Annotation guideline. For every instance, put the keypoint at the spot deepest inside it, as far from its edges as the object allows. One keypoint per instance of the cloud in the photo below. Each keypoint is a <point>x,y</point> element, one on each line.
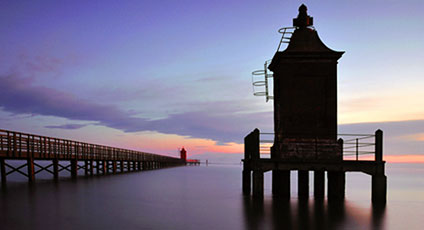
<point>398,136</point>
<point>66,126</point>
<point>223,121</point>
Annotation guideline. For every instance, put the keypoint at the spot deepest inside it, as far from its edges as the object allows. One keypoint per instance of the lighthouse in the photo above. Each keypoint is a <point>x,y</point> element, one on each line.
<point>305,123</point>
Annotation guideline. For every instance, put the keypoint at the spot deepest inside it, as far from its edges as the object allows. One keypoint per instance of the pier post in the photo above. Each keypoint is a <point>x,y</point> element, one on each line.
<point>281,183</point>
<point>319,184</point>
<point>114,167</point>
<point>379,180</point>
<point>121,165</point>
<point>303,184</point>
<point>55,169</point>
<point>3,170</point>
<point>336,185</point>
<point>247,175</point>
<point>104,166</point>
<point>379,189</point>
<point>251,154</point>
<point>134,166</point>
<point>98,167</point>
<point>86,167</point>
<point>258,183</point>
<point>30,167</point>
<point>74,168</point>
<point>139,165</point>
<point>90,162</point>
<point>379,146</point>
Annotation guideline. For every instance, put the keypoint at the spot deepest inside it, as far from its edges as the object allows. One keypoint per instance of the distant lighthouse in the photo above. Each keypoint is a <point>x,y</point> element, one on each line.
<point>183,154</point>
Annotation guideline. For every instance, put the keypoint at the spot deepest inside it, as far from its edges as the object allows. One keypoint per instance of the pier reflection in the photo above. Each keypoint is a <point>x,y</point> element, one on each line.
<point>272,213</point>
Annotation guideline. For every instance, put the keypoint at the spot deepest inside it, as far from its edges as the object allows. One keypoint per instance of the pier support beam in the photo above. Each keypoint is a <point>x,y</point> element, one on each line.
<point>122,166</point>
<point>303,184</point>
<point>114,167</point>
<point>379,189</point>
<point>104,166</point>
<point>98,167</point>
<point>74,168</point>
<point>258,183</point>
<point>90,163</point>
<point>31,172</point>
<point>281,183</point>
<point>247,184</point>
<point>336,185</point>
<point>55,169</point>
<point>319,184</point>
<point>3,170</point>
<point>86,173</point>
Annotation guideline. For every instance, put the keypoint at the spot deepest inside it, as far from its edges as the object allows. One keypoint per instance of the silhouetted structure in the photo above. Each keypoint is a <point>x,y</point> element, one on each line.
<point>305,123</point>
<point>183,154</point>
<point>104,159</point>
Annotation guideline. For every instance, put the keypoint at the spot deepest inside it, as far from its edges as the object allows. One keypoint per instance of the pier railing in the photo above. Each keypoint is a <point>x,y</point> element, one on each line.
<point>29,149</point>
<point>17,145</point>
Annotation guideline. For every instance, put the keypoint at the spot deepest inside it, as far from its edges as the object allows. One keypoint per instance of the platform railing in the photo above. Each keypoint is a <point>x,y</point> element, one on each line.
<point>355,146</point>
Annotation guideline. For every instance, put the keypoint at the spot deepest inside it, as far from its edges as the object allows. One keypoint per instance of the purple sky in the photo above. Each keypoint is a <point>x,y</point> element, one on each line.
<point>180,70</point>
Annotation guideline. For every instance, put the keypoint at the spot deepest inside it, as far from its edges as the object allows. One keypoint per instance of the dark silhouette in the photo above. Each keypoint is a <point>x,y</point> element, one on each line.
<point>305,124</point>
<point>183,154</point>
<point>105,159</point>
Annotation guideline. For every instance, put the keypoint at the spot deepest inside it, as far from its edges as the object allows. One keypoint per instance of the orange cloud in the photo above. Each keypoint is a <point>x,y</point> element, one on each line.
<point>404,158</point>
<point>391,105</point>
<point>414,137</point>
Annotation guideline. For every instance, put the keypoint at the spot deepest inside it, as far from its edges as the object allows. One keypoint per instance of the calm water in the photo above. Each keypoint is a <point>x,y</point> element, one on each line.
<point>205,198</point>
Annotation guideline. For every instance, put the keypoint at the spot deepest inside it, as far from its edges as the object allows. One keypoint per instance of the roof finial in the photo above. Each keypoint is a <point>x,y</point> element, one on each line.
<point>303,19</point>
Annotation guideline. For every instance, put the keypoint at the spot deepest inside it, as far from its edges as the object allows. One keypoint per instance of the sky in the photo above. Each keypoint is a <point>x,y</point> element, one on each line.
<point>158,75</point>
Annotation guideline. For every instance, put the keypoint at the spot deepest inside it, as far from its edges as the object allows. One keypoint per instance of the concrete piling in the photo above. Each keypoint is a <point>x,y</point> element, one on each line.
<point>336,185</point>
<point>247,177</point>
<point>319,184</point>
<point>303,184</point>
<point>258,183</point>
<point>281,183</point>
<point>379,189</point>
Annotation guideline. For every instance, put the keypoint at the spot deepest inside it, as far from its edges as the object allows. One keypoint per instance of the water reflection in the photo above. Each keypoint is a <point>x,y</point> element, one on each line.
<point>271,213</point>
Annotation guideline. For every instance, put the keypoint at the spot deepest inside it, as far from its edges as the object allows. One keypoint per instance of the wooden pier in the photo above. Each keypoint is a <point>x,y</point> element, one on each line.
<point>71,156</point>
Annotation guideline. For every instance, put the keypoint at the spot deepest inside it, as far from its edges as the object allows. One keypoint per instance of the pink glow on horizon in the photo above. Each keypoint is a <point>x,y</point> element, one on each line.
<point>393,158</point>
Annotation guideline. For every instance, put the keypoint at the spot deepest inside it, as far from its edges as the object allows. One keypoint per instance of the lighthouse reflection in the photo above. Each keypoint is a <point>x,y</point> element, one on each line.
<point>272,213</point>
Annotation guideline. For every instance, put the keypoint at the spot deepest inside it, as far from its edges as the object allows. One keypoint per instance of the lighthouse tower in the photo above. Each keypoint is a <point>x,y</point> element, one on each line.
<point>305,95</point>
<point>305,123</point>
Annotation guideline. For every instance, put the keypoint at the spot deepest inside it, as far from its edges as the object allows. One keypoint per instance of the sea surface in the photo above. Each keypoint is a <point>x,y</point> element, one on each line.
<point>206,197</point>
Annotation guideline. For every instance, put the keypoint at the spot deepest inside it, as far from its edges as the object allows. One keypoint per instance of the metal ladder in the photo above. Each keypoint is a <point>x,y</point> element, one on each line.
<point>286,35</point>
